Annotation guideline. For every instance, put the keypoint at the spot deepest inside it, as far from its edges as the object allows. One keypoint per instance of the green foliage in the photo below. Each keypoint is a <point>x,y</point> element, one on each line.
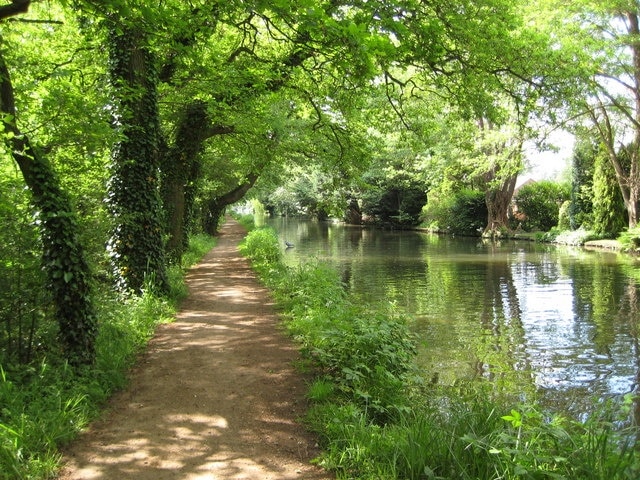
<point>363,353</point>
<point>459,432</point>
<point>564,218</point>
<point>68,274</point>
<point>583,161</point>
<point>273,84</point>
<point>247,221</point>
<point>47,405</point>
<point>136,245</point>
<point>463,213</point>
<point>199,245</point>
<point>307,191</point>
<point>540,203</point>
<point>261,246</point>
<point>63,255</point>
<point>321,390</point>
<point>609,215</point>
<point>394,200</point>
<point>24,320</point>
<point>567,237</point>
<point>630,239</point>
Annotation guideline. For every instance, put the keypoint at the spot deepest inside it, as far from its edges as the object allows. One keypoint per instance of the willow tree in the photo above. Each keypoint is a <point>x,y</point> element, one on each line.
<point>63,254</point>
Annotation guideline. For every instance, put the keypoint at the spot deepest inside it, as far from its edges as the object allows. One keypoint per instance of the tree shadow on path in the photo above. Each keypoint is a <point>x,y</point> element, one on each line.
<point>215,395</point>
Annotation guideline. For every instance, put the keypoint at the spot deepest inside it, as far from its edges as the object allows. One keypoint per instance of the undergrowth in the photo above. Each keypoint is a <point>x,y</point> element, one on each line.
<point>45,405</point>
<point>376,419</point>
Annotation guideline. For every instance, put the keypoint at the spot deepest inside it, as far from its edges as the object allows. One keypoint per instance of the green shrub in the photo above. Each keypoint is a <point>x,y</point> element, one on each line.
<point>610,216</point>
<point>463,213</point>
<point>468,213</point>
<point>630,239</point>
<point>564,219</point>
<point>395,202</point>
<point>262,247</point>
<point>247,221</point>
<point>540,203</point>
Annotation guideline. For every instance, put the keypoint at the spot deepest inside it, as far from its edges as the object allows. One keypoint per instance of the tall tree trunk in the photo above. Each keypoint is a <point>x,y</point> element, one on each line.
<point>632,204</point>
<point>216,206</point>
<point>634,174</point>
<point>500,178</point>
<point>498,201</point>
<point>353,215</point>
<point>180,171</point>
<point>136,245</point>
<point>63,256</point>
<point>628,177</point>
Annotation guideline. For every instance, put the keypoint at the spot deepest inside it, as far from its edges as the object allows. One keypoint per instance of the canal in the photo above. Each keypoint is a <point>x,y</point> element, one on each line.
<point>556,323</point>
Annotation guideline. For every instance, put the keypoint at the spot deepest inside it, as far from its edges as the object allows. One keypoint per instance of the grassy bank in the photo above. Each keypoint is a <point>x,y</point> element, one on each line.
<point>45,405</point>
<point>377,418</point>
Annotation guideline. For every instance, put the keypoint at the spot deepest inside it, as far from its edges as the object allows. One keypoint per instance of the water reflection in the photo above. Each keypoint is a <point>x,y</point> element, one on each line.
<point>561,323</point>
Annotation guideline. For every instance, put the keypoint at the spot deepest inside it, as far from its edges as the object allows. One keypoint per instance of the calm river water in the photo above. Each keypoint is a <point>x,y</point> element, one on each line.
<point>559,322</point>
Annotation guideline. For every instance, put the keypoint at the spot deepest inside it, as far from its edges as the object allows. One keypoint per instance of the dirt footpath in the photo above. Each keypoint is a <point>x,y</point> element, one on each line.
<point>215,395</point>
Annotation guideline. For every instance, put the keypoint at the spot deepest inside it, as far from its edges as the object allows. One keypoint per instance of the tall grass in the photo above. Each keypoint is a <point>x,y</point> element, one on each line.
<point>377,419</point>
<point>44,406</point>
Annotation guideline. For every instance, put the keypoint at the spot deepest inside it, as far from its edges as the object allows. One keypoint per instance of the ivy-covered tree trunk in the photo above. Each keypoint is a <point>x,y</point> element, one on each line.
<point>180,171</point>
<point>136,245</point>
<point>63,256</point>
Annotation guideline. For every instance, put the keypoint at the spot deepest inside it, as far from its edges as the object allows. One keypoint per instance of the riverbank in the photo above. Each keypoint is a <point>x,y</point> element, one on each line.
<point>603,244</point>
<point>215,395</point>
<point>377,417</point>
<point>613,245</point>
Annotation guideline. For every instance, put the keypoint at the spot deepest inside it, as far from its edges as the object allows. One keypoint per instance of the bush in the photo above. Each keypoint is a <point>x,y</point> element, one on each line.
<point>630,239</point>
<point>262,247</point>
<point>564,219</point>
<point>610,216</point>
<point>464,213</point>
<point>540,203</point>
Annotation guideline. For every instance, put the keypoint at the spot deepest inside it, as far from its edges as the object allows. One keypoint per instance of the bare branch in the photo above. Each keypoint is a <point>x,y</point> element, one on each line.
<point>33,20</point>
<point>387,77</point>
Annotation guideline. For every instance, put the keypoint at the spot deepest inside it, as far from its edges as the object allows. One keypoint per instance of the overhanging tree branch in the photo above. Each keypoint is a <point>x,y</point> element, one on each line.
<point>15,8</point>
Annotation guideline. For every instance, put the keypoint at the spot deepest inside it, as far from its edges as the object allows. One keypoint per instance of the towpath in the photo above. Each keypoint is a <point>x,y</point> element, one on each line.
<point>214,396</point>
